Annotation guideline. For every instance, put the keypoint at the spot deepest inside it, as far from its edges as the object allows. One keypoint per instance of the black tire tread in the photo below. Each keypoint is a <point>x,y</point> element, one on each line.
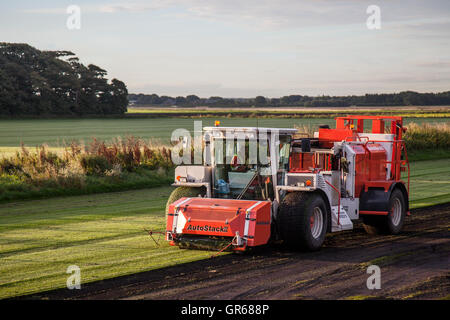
<point>376,225</point>
<point>291,220</point>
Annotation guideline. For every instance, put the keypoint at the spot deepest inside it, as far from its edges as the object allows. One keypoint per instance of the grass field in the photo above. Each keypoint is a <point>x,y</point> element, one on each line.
<point>57,131</point>
<point>430,183</point>
<point>103,234</point>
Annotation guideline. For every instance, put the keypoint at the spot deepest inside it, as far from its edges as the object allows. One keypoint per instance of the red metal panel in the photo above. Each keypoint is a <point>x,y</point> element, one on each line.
<point>370,165</point>
<point>328,136</point>
<point>377,162</point>
<point>378,126</point>
<point>300,162</point>
<point>377,213</point>
<point>340,123</point>
<point>259,225</point>
<point>335,134</point>
<point>360,125</point>
<point>224,217</point>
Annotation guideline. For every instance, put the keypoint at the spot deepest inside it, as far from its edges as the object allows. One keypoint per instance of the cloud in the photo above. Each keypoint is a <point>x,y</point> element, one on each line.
<point>204,89</point>
<point>133,7</point>
<point>272,14</point>
<point>434,64</point>
<point>108,8</point>
<point>423,30</point>
<point>307,13</point>
<point>46,11</point>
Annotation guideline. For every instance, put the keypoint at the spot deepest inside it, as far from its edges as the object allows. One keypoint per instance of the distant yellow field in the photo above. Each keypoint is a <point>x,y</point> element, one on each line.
<point>407,111</point>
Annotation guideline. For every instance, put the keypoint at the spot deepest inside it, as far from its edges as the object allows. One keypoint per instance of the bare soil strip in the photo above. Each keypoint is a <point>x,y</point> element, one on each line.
<point>414,265</point>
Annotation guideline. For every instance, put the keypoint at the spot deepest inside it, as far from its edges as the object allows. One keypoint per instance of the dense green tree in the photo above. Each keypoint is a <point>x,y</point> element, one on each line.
<point>180,100</point>
<point>391,99</point>
<point>275,101</point>
<point>34,82</point>
<point>260,101</point>
<point>192,98</point>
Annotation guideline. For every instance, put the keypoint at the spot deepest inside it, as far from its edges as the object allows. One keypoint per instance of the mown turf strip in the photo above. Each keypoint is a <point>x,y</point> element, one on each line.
<point>102,234</point>
<point>430,183</point>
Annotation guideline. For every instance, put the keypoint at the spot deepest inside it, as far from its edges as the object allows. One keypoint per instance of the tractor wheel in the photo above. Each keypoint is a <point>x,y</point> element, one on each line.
<point>180,192</point>
<point>303,220</point>
<point>393,222</point>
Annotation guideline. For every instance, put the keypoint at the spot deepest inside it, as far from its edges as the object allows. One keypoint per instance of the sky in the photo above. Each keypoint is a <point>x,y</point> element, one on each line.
<point>245,48</point>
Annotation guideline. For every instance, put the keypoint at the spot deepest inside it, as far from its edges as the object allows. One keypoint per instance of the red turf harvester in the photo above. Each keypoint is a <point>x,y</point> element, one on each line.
<point>299,189</point>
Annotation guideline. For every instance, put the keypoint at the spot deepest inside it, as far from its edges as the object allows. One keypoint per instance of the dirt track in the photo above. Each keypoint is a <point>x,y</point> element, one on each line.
<point>414,265</point>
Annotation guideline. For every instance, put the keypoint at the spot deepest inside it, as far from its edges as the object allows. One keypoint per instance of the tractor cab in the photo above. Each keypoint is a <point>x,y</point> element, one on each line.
<point>247,163</point>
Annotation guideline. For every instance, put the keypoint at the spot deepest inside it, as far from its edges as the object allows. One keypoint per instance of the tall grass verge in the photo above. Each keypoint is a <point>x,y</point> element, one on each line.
<point>427,136</point>
<point>427,141</point>
<point>129,163</point>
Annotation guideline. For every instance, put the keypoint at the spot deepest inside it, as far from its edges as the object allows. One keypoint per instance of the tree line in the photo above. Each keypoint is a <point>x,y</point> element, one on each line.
<point>405,98</point>
<point>41,83</point>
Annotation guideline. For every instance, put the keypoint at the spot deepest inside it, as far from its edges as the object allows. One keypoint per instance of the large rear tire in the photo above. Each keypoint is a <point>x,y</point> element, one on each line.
<point>393,222</point>
<point>180,192</point>
<point>302,220</point>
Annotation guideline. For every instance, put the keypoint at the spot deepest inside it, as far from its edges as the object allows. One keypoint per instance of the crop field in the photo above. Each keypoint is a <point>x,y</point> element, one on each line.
<point>281,111</point>
<point>59,131</point>
<point>104,234</point>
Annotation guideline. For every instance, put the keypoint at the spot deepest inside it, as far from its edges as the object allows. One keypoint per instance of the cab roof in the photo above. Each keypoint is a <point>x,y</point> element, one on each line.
<point>282,131</point>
